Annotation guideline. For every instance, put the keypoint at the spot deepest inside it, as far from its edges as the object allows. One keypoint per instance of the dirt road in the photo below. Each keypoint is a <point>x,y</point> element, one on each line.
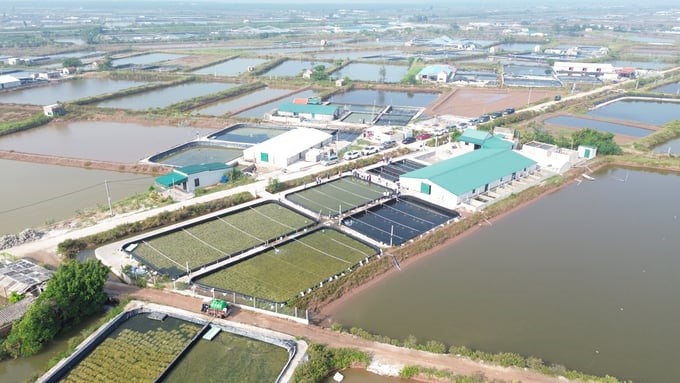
<point>383,353</point>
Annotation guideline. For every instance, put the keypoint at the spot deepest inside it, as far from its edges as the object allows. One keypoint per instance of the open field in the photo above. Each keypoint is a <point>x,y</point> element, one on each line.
<point>218,238</point>
<point>342,195</point>
<point>280,273</point>
<point>475,102</point>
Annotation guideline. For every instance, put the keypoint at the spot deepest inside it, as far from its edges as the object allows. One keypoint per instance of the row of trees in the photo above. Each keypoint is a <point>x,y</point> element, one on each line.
<point>603,141</point>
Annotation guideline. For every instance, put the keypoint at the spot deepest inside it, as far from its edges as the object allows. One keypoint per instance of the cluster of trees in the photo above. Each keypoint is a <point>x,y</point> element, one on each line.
<point>75,291</point>
<point>603,141</point>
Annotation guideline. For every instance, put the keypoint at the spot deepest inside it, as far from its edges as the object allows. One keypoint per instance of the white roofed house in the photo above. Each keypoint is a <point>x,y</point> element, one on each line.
<point>8,82</point>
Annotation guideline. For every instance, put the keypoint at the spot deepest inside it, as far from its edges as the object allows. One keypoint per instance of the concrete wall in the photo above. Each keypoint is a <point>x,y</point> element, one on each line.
<point>204,178</point>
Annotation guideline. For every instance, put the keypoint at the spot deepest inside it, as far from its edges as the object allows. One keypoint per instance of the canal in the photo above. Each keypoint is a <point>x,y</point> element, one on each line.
<point>585,277</point>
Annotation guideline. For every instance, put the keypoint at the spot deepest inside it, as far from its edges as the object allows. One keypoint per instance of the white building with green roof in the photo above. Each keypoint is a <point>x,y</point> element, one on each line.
<point>458,179</point>
<point>188,178</point>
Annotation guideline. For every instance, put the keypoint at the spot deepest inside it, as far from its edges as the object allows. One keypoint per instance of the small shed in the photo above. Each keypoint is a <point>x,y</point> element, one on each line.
<point>587,152</point>
<point>23,277</point>
<point>7,82</point>
<point>54,110</point>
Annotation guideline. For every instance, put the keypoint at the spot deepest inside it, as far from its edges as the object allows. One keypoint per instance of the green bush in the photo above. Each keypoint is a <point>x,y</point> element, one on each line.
<point>38,119</point>
<point>323,361</point>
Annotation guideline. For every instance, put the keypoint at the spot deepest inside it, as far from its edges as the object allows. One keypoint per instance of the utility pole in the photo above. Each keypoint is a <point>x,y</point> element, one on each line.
<point>108,196</point>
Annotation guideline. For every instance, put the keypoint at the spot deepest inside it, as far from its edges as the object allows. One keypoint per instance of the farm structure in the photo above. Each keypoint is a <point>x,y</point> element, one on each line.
<point>393,170</point>
<point>287,148</point>
<point>190,177</point>
<point>338,196</point>
<point>214,239</point>
<point>296,266</point>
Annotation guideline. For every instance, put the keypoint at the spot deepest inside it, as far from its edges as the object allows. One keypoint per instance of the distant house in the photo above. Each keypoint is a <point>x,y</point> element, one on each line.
<point>188,178</point>
<point>7,82</point>
<point>436,73</point>
<point>54,110</point>
<point>23,277</point>
<point>307,74</point>
<point>308,111</point>
<point>51,75</point>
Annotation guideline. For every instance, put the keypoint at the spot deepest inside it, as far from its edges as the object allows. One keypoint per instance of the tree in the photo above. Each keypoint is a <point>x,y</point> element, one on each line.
<point>319,73</point>
<point>107,63</point>
<point>382,72</point>
<point>75,291</point>
<point>71,62</point>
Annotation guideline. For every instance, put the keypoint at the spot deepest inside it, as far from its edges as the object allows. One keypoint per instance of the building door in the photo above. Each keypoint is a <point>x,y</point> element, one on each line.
<point>586,153</point>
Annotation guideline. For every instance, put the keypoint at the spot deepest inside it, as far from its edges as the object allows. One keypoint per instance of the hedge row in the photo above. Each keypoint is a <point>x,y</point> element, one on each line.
<point>10,127</point>
<point>669,132</point>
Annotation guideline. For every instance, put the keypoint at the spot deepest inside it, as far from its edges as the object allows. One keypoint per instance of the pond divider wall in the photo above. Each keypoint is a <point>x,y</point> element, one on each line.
<point>181,354</point>
<point>156,158</point>
<point>57,372</point>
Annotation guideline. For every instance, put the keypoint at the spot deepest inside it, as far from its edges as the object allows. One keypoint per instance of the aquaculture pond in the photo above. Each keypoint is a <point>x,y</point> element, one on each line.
<point>245,101</point>
<point>292,68</point>
<point>603,126</point>
<point>259,111</point>
<point>140,349</point>
<point>582,277</point>
<point>99,140</point>
<point>648,112</point>
<point>372,72</point>
<point>673,88</point>
<point>383,97</point>
<point>355,54</point>
<point>248,134</point>
<point>229,358</point>
<point>232,67</point>
<point>65,91</point>
<point>160,98</point>
<point>34,194</point>
<point>672,146</point>
<point>151,58</point>
<point>197,152</point>
<point>656,65</point>
<point>516,47</point>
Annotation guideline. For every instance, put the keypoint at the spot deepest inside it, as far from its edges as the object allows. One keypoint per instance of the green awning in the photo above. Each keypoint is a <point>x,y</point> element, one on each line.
<point>171,179</point>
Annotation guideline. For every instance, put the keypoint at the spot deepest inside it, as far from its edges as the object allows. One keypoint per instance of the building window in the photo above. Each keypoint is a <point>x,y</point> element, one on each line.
<point>197,183</point>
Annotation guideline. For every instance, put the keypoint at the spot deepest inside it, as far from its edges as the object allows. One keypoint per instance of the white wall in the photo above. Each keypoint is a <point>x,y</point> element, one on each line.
<point>204,178</point>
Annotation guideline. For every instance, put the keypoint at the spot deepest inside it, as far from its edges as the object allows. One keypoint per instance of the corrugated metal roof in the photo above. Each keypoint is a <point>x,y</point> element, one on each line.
<point>21,276</point>
<point>171,179</point>
<point>14,312</point>
<point>198,168</point>
<point>469,171</point>
<point>474,136</point>
<point>308,108</point>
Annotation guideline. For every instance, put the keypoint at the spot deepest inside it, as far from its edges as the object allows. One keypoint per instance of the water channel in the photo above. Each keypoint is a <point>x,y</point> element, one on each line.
<point>104,141</point>
<point>585,277</point>
<point>34,194</point>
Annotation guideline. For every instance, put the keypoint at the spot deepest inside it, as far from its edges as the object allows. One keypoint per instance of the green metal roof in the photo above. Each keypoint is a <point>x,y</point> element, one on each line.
<point>171,179</point>
<point>495,142</point>
<point>197,168</point>
<point>308,108</point>
<point>474,136</point>
<point>218,304</point>
<point>469,171</point>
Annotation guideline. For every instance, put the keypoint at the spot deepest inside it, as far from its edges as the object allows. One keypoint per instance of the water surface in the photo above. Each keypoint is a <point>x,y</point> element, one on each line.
<point>380,97</point>
<point>64,91</point>
<point>150,58</point>
<point>259,111</point>
<point>648,112</point>
<point>668,88</point>
<point>244,101</point>
<point>583,277</point>
<point>371,72</point>
<point>672,146</point>
<point>578,122</point>
<point>36,193</point>
<point>98,140</point>
<point>160,98</point>
<point>232,67</point>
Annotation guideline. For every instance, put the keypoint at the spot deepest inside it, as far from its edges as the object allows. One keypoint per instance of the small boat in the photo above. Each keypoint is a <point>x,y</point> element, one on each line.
<point>587,177</point>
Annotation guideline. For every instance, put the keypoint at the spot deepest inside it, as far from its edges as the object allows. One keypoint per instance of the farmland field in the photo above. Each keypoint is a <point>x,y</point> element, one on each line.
<point>343,194</point>
<point>218,238</point>
<point>281,273</point>
<point>232,359</point>
<point>138,351</point>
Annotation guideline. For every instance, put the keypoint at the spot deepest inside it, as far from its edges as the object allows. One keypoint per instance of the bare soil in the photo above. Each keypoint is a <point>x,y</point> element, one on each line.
<point>17,112</point>
<point>470,102</point>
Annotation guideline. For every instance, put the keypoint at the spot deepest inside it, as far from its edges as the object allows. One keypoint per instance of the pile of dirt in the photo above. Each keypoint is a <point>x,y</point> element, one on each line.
<point>12,240</point>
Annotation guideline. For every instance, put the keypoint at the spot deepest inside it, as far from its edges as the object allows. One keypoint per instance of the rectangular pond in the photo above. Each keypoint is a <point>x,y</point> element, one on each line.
<point>233,67</point>
<point>648,112</point>
<point>65,91</point>
<point>673,88</point>
<point>287,269</point>
<point>398,220</point>
<point>245,101</point>
<point>197,152</point>
<point>603,126</point>
<point>151,58</point>
<point>248,134</point>
<point>229,358</point>
<point>99,140</point>
<point>33,194</point>
<point>393,170</point>
<point>372,72</point>
<point>160,98</point>
<point>292,68</point>
<point>582,277</point>
<point>382,97</point>
<point>213,239</point>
